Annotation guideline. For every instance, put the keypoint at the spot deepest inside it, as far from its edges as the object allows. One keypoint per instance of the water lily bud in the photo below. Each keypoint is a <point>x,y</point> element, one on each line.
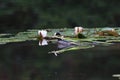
<point>78,30</point>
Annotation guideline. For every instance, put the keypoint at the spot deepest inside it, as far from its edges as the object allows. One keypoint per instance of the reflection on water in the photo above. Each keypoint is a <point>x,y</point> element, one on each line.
<point>64,44</point>
<point>29,61</point>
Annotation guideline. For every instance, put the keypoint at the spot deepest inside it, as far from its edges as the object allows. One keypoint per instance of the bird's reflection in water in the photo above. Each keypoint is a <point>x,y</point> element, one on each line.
<point>64,44</point>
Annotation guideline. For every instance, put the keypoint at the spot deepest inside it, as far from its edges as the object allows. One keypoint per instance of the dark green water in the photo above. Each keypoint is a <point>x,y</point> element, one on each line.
<point>28,61</point>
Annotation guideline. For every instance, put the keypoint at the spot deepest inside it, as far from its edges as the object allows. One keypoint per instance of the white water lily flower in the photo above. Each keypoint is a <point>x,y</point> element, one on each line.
<point>42,34</point>
<point>78,30</point>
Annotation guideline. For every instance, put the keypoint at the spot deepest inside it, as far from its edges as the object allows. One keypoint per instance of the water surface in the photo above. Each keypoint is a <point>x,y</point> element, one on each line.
<point>28,61</point>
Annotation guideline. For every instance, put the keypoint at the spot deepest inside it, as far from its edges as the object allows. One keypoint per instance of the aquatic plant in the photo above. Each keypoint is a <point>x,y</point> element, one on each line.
<point>108,32</point>
<point>91,39</point>
<point>42,34</point>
